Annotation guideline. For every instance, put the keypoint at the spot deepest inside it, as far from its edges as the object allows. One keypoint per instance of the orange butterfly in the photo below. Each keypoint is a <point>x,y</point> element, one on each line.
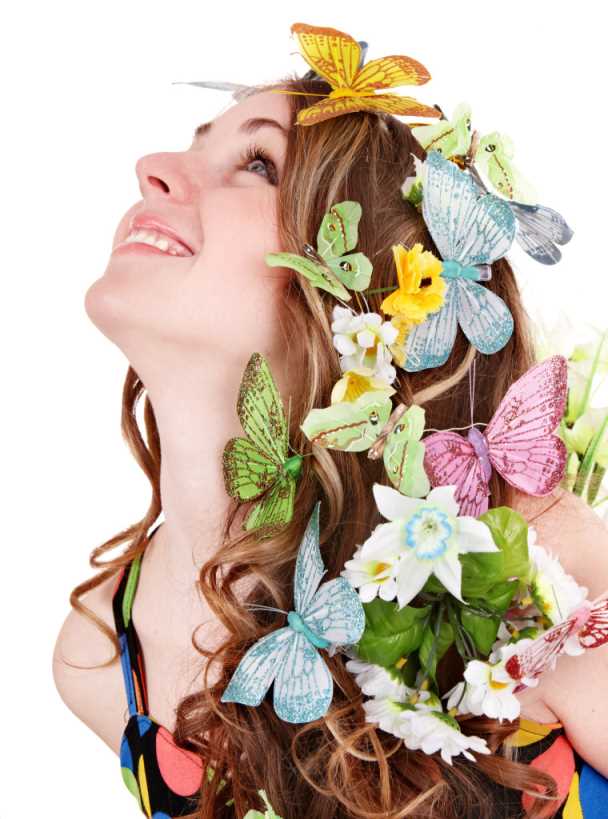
<point>336,56</point>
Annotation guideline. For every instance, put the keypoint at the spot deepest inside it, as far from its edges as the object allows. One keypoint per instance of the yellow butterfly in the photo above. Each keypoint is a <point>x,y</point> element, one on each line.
<point>336,57</point>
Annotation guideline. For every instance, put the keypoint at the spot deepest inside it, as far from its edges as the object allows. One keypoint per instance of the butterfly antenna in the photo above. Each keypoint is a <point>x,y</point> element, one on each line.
<point>261,607</point>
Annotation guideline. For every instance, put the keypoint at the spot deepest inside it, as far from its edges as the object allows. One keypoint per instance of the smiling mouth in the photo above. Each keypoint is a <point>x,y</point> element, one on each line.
<point>157,240</point>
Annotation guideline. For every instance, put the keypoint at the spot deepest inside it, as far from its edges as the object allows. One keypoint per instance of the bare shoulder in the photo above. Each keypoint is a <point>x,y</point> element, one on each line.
<point>575,691</point>
<point>93,691</point>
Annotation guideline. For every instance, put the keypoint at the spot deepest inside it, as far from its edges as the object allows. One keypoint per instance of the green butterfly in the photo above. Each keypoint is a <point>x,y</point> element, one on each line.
<point>494,156</point>
<point>403,452</point>
<point>452,137</point>
<point>268,814</point>
<point>350,426</point>
<point>258,466</point>
<point>327,267</point>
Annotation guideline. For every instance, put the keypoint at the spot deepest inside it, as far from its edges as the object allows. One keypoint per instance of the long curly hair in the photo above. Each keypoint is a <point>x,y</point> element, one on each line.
<point>340,765</point>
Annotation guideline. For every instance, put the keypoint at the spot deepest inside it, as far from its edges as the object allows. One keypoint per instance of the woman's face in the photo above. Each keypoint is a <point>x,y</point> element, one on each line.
<point>223,301</point>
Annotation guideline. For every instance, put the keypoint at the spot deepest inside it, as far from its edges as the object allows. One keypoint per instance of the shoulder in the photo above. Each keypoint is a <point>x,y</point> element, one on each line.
<point>569,528</point>
<point>576,689</point>
<point>85,685</point>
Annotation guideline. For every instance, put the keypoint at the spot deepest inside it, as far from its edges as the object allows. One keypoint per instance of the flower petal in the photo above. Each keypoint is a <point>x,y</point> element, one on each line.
<point>444,498</point>
<point>449,570</point>
<point>475,536</point>
<point>412,574</point>
<point>392,504</point>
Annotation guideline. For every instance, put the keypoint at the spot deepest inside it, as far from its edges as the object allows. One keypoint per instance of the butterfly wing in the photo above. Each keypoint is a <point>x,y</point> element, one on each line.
<point>541,653</point>
<point>350,426</point>
<point>450,460</point>
<point>467,225</point>
<point>258,668</point>
<point>260,410</point>
<point>335,613</point>
<point>390,72</point>
<point>429,344</point>
<point>303,687</point>
<point>248,472</point>
<point>484,317</point>
<point>334,55</point>
<point>595,631</point>
<point>403,455</point>
<point>521,440</point>
<point>309,564</point>
<point>276,507</point>
<point>311,270</point>
<point>539,230</point>
<point>338,231</point>
<point>353,270</point>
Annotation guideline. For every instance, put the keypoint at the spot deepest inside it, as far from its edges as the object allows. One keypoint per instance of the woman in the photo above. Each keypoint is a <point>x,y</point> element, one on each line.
<point>250,183</point>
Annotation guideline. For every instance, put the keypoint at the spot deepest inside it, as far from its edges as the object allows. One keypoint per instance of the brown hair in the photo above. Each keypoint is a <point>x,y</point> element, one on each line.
<point>338,766</point>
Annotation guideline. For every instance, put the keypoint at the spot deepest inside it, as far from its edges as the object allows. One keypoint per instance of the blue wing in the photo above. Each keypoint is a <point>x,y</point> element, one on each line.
<point>467,225</point>
<point>258,668</point>
<point>309,564</point>
<point>429,344</point>
<point>335,613</point>
<point>484,317</point>
<point>303,687</point>
<point>539,230</point>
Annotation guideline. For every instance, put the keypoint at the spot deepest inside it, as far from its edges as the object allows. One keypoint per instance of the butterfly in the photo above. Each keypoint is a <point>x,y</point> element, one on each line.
<point>350,426</point>
<point>452,138</point>
<point>403,451</point>
<point>327,267</point>
<point>588,625</point>
<point>470,230</point>
<point>518,442</point>
<point>258,467</point>
<point>336,57</point>
<point>325,616</point>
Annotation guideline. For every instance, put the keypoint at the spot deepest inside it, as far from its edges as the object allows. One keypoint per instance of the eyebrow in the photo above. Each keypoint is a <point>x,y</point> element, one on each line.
<point>249,126</point>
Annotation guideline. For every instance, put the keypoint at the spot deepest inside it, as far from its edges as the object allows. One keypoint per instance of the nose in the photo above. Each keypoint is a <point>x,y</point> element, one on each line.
<point>165,176</point>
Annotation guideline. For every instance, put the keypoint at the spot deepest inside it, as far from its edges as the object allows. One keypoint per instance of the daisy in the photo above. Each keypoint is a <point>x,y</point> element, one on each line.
<point>427,536</point>
<point>555,593</point>
<point>376,681</point>
<point>432,731</point>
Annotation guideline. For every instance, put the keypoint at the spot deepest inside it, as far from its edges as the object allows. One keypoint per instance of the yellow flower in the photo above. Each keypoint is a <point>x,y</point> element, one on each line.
<point>397,348</point>
<point>421,286</point>
<point>354,383</point>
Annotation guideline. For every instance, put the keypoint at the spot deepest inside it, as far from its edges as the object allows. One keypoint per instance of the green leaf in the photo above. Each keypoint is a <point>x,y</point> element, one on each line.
<point>483,630</point>
<point>510,533</point>
<point>433,646</point>
<point>499,598</point>
<point>391,633</point>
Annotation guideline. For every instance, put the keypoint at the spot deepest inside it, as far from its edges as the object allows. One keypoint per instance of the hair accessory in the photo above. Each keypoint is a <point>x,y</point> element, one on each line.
<point>325,616</point>
<point>519,442</point>
<point>258,467</point>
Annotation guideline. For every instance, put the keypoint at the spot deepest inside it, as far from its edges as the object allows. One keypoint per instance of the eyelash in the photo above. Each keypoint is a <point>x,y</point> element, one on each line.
<point>255,153</point>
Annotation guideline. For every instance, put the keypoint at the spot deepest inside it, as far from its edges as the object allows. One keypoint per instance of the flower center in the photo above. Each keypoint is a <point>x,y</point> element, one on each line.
<point>428,532</point>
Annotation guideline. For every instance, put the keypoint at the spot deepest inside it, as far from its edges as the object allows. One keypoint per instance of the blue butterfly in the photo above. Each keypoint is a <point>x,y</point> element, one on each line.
<point>329,615</point>
<point>471,230</point>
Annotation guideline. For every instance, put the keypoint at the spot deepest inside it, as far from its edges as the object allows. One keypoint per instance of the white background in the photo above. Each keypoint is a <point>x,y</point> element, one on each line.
<point>86,91</point>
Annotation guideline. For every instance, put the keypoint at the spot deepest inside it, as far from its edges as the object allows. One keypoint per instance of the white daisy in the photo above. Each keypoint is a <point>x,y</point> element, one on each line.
<point>432,731</point>
<point>376,681</point>
<point>556,593</point>
<point>427,535</point>
<point>363,340</point>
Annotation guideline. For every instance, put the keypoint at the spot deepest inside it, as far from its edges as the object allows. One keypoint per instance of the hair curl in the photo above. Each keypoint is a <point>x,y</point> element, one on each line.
<point>338,766</point>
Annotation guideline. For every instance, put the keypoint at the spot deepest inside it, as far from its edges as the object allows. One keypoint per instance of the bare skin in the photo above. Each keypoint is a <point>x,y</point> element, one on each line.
<point>188,332</point>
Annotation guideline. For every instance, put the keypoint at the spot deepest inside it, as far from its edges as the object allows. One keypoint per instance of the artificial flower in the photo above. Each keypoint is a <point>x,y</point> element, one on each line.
<point>376,681</point>
<point>387,713</point>
<point>413,186</point>
<point>362,341</point>
<point>372,571</point>
<point>555,593</point>
<point>426,535</point>
<point>578,437</point>
<point>421,287</point>
<point>432,730</point>
<point>355,382</point>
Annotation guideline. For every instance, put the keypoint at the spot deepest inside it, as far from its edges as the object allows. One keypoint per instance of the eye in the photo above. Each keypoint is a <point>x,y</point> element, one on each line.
<point>261,162</point>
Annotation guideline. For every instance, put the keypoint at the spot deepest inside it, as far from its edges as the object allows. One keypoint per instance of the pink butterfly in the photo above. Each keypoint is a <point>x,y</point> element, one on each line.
<point>518,442</point>
<point>589,622</point>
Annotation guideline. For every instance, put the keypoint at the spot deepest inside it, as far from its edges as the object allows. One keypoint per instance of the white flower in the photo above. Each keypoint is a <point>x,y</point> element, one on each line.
<point>427,536</point>
<point>376,681</point>
<point>555,593</point>
<point>388,714</point>
<point>432,731</point>
<point>417,178</point>
<point>372,570</point>
<point>363,341</point>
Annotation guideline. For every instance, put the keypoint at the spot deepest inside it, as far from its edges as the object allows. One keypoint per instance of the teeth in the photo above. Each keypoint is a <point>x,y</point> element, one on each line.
<point>159,240</point>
